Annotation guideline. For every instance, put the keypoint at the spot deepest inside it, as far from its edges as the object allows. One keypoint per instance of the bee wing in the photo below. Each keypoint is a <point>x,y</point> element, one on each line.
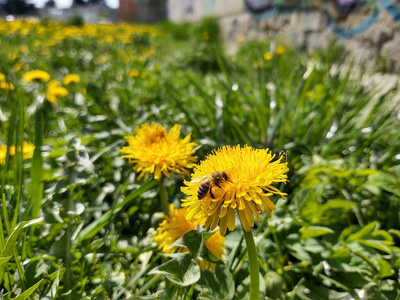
<point>201,178</point>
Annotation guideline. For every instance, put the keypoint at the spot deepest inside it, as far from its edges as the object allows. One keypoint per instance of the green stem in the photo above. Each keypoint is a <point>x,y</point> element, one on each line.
<point>163,195</point>
<point>253,263</point>
<point>148,285</point>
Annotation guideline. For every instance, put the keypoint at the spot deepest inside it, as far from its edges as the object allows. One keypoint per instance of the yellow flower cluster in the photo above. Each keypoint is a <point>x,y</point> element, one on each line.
<point>27,151</point>
<point>4,85</point>
<point>153,150</point>
<point>54,91</point>
<point>56,32</point>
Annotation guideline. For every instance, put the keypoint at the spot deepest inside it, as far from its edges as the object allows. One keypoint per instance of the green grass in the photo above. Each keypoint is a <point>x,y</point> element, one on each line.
<point>77,223</point>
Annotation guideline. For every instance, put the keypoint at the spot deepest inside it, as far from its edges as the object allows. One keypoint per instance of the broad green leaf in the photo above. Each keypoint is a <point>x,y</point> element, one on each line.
<point>395,232</point>
<point>376,244</point>
<point>385,269</point>
<point>181,269</point>
<point>338,203</point>
<point>194,240</point>
<point>386,182</point>
<point>314,231</point>
<point>365,231</point>
<point>218,283</point>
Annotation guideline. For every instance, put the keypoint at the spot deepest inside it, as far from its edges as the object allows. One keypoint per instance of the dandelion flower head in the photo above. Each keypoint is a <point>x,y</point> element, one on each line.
<point>27,150</point>
<point>3,154</point>
<point>54,91</point>
<point>251,176</point>
<point>71,78</point>
<point>175,225</point>
<point>4,85</point>
<point>153,150</point>
<point>36,75</point>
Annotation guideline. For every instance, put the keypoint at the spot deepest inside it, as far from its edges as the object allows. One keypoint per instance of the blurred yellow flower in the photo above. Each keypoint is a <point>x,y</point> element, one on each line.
<point>206,35</point>
<point>6,86</point>
<point>280,50</point>
<point>71,78</point>
<point>250,176</point>
<point>54,91</point>
<point>3,154</point>
<point>133,73</point>
<point>18,66</point>
<point>27,150</point>
<point>36,75</point>
<point>256,64</point>
<point>154,150</point>
<point>175,225</point>
<point>267,56</point>
<point>240,38</point>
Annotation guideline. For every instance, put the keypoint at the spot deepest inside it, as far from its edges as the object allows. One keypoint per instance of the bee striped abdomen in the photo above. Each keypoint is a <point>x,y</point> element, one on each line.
<point>203,190</point>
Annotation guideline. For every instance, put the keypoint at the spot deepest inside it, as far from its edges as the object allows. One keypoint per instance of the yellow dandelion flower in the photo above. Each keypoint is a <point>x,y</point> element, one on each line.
<point>206,35</point>
<point>154,150</point>
<point>280,50</point>
<point>175,225</point>
<point>6,86</point>
<point>27,150</point>
<point>71,78</point>
<point>173,228</point>
<point>246,183</point>
<point>267,56</point>
<point>256,64</point>
<point>240,38</point>
<point>54,91</point>
<point>3,154</point>
<point>36,75</point>
<point>133,73</point>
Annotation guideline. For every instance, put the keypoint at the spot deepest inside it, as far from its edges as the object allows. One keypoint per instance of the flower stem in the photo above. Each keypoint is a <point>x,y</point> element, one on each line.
<point>253,263</point>
<point>163,195</point>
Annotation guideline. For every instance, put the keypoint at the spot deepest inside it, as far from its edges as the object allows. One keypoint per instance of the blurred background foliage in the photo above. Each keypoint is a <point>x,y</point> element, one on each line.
<point>76,222</point>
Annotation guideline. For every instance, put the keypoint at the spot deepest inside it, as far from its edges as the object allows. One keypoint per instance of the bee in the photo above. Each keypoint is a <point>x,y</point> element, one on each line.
<point>208,181</point>
<point>282,156</point>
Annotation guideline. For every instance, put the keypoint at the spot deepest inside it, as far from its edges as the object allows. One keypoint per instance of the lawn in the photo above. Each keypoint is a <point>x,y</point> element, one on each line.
<point>111,138</point>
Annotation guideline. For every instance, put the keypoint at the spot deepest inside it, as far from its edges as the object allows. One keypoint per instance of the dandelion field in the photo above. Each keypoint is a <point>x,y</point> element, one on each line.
<point>107,133</point>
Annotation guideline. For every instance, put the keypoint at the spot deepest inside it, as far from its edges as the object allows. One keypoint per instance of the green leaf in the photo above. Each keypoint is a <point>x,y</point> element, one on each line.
<point>314,231</point>
<point>338,203</point>
<point>3,264</point>
<point>365,231</point>
<point>194,241</point>
<point>28,292</point>
<point>385,269</point>
<point>395,232</point>
<point>386,182</point>
<point>10,243</point>
<point>36,188</point>
<point>181,269</point>
<point>376,244</point>
<point>218,283</point>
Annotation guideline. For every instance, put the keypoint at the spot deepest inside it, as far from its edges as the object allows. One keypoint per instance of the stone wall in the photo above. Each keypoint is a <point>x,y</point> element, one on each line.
<point>310,27</point>
<point>311,31</point>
